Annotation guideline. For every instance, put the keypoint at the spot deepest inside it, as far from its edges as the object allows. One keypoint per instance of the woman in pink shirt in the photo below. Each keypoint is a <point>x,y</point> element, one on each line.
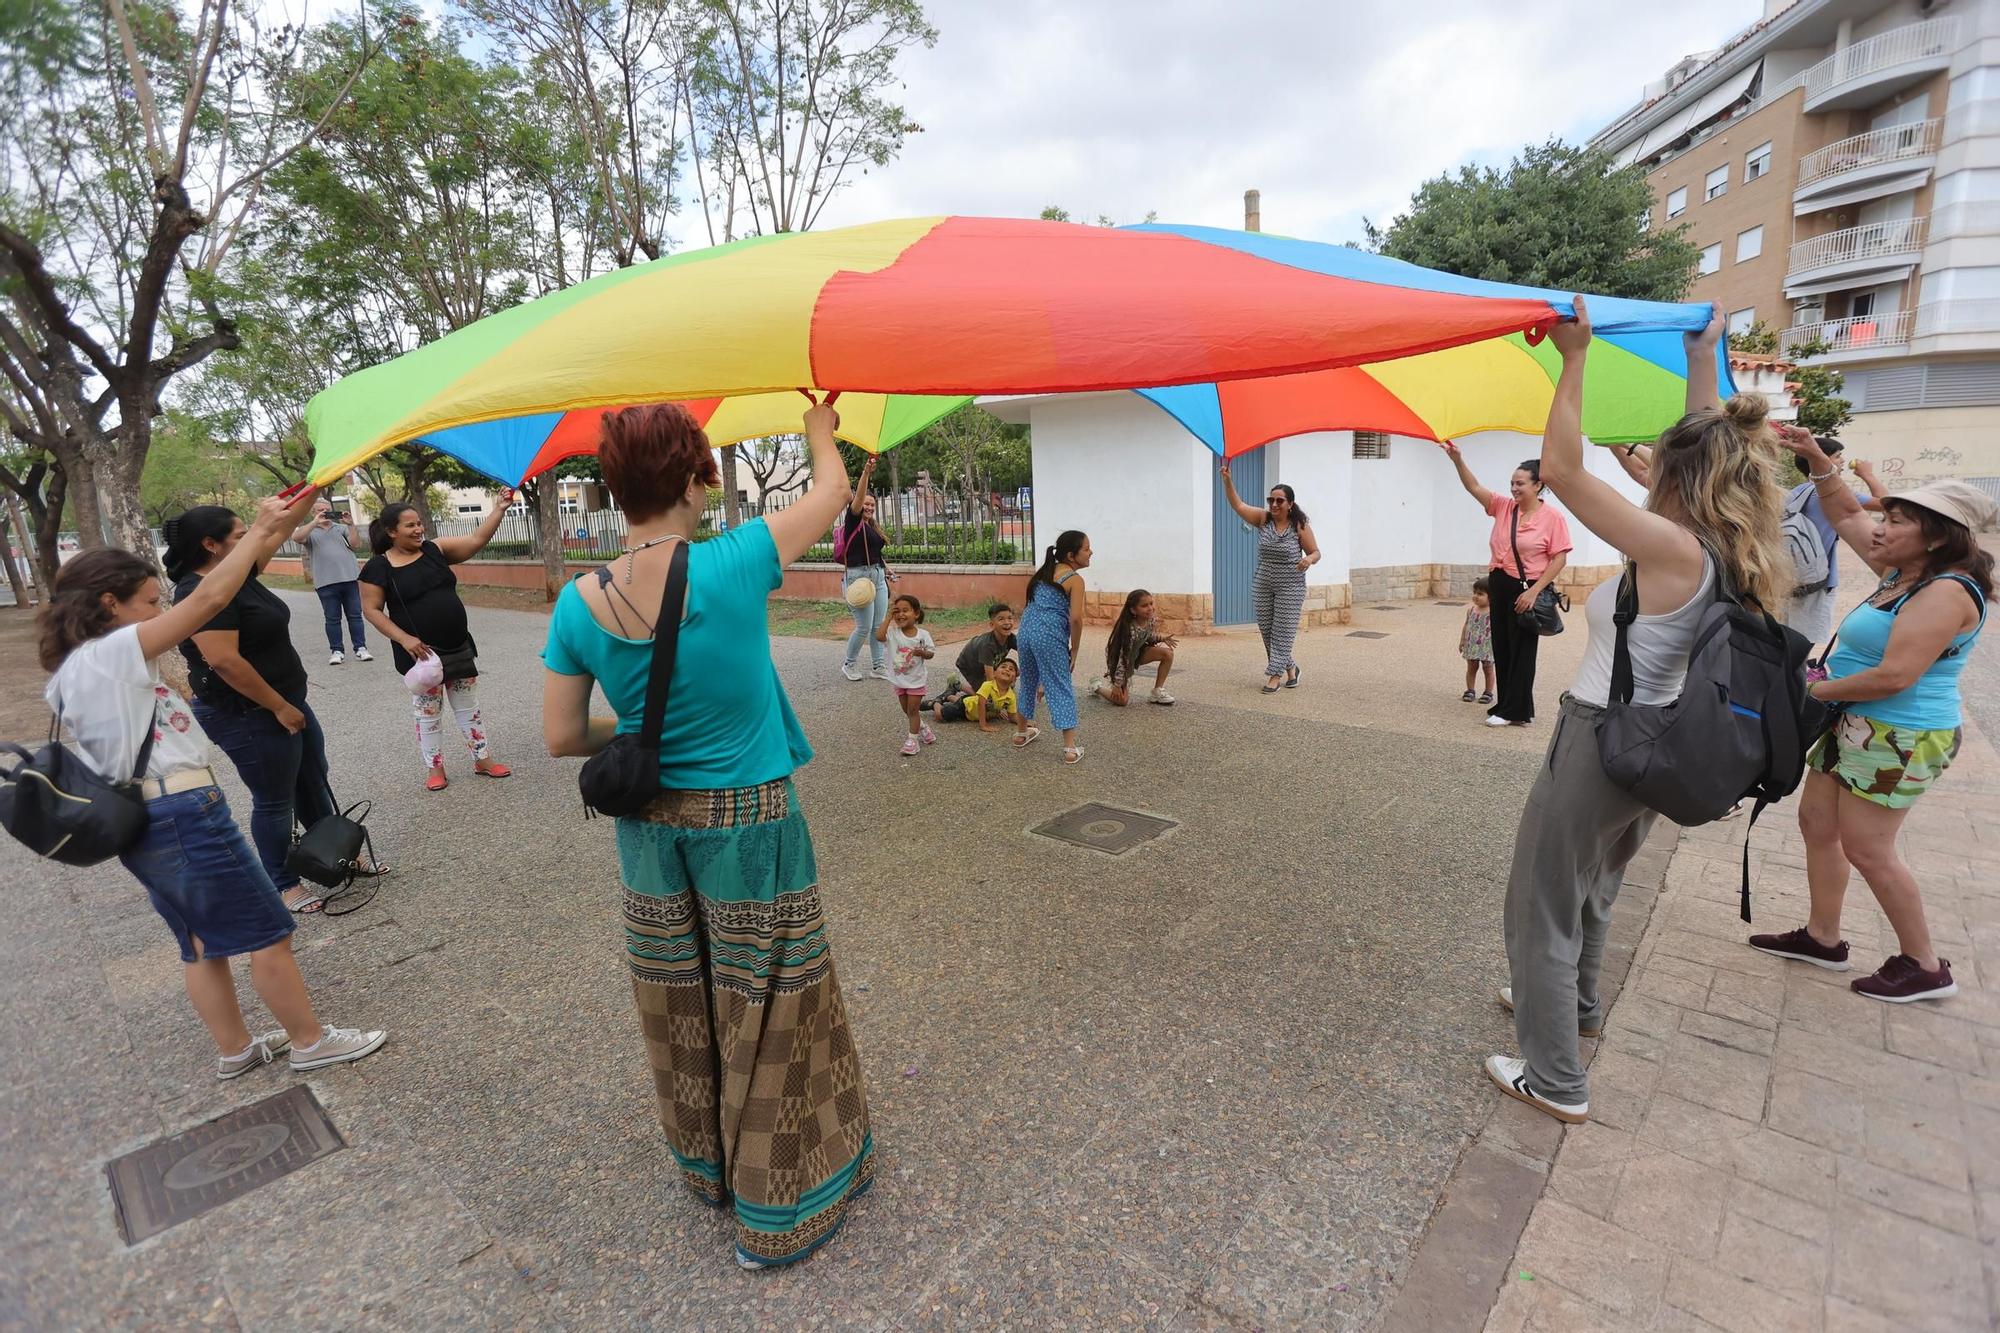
<point>1530,544</point>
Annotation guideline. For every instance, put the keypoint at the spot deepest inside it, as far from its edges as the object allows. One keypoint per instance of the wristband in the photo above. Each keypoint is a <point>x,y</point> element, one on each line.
<point>1817,477</point>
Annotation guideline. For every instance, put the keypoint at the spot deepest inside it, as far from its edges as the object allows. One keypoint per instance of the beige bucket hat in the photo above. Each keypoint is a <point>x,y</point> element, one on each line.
<point>1959,501</point>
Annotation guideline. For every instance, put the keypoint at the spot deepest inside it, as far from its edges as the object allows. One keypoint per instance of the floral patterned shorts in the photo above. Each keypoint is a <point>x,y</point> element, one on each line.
<point>1891,766</point>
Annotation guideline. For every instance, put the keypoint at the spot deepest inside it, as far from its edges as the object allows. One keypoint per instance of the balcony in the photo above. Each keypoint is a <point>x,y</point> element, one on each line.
<point>1937,318</point>
<point>1871,70</point>
<point>1856,338</point>
<point>1969,219</point>
<point>1878,252</point>
<point>1867,166</point>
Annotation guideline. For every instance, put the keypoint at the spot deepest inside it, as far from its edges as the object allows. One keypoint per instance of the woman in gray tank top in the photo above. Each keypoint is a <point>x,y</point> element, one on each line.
<point>1713,479</point>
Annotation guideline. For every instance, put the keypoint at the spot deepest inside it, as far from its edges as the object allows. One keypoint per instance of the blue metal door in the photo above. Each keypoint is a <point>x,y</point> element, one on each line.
<point>1236,541</point>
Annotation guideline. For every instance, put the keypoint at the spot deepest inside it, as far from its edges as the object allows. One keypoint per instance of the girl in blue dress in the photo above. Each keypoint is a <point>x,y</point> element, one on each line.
<point>1051,631</point>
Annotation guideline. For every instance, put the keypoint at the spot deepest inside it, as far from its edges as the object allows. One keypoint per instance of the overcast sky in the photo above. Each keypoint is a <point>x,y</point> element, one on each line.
<point>1334,110</point>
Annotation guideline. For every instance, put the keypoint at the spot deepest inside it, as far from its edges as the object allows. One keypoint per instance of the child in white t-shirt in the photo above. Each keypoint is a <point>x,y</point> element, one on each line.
<point>910,652</point>
<point>102,632</point>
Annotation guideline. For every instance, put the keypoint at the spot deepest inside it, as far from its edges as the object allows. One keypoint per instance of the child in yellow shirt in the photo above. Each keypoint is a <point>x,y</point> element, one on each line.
<point>994,699</point>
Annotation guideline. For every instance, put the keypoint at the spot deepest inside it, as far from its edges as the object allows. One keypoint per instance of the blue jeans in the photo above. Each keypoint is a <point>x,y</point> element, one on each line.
<point>203,880</point>
<point>336,598</point>
<point>285,772</point>
<point>866,618</point>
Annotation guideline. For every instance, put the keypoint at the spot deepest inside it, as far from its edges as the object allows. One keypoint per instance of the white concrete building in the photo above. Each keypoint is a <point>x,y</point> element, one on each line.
<point>1391,518</point>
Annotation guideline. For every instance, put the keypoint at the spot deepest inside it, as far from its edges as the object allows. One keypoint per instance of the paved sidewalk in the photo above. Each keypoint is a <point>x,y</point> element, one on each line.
<point>1768,1150</point>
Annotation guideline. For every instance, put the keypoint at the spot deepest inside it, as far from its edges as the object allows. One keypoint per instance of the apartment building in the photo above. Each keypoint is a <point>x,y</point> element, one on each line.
<point>1838,163</point>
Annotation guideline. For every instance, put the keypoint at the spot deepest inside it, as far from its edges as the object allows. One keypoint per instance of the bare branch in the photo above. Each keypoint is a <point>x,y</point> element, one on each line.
<point>142,88</point>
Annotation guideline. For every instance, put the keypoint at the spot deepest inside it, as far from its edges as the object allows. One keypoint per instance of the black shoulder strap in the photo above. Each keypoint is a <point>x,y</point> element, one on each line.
<point>1514,540</point>
<point>1621,652</point>
<point>146,745</point>
<point>666,643</point>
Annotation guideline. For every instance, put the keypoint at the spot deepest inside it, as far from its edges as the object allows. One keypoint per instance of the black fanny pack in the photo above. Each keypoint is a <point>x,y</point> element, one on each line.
<point>624,777</point>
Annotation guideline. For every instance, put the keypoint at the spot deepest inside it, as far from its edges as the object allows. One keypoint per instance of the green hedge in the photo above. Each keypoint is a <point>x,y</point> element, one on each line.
<point>939,551</point>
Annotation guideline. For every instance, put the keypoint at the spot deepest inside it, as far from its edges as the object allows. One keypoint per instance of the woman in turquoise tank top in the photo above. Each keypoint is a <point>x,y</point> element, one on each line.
<point>1894,673</point>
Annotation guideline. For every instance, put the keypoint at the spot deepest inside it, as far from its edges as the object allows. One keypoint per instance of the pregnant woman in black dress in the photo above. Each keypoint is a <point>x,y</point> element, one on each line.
<point>410,595</point>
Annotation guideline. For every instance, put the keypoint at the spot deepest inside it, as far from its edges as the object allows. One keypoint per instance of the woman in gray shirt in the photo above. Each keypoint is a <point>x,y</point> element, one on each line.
<point>329,544</point>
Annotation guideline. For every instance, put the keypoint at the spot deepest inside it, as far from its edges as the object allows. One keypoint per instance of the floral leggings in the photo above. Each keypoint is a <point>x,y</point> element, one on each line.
<point>430,713</point>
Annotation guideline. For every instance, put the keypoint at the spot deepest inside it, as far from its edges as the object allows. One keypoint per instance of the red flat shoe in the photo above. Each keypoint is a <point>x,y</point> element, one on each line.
<point>493,769</point>
<point>436,781</point>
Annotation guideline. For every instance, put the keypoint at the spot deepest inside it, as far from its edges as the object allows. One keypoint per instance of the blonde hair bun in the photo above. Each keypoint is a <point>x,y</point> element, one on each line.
<point>1747,411</point>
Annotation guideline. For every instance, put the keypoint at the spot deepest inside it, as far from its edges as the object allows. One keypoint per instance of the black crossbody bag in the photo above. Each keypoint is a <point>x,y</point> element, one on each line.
<point>624,777</point>
<point>1545,616</point>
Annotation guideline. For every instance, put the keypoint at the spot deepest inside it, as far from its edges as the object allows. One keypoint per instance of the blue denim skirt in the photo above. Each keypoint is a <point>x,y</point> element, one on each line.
<point>204,880</point>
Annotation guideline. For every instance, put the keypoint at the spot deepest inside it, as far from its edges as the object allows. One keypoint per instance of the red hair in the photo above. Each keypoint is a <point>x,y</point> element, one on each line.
<point>650,454</point>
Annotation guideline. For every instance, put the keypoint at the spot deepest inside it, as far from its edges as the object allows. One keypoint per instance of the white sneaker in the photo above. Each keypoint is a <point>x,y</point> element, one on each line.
<point>363,655</point>
<point>336,1046</point>
<point>1511,1077</point>
<point>333,660</point>
<point>262,1050</point>
<point>1160,697</point>
<point>879,673</point>
<point>1498,721</point>
<point>851,671</point>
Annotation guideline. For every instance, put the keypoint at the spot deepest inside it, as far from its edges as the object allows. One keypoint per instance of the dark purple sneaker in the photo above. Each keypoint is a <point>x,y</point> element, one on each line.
<point>1801,945</point>
<point>1901,981</point>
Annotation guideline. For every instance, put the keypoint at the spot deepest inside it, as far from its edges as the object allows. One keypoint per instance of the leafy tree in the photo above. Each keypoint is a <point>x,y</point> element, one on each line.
<point>134,142</point>
<point>1760,339</point>
<point>1816,390</point>
<point>188,465</point>
<point>1560,217</point>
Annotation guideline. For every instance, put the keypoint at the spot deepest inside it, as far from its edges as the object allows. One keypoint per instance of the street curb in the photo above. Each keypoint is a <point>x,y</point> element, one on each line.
<point>1457,1270</point>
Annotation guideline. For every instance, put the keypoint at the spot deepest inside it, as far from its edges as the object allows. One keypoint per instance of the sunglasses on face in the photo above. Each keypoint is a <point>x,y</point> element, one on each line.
<point>1276,500</point>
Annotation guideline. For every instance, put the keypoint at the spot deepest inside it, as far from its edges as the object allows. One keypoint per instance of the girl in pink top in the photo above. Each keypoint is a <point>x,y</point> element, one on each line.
<point>1530,545</point>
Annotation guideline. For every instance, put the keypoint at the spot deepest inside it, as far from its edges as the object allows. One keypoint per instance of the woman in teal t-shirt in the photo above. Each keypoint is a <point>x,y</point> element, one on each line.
<point>1894,672</point>
<point>731,969</point>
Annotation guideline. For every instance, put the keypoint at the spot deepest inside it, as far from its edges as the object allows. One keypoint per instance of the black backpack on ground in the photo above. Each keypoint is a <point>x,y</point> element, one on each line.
<point>1739,730</point>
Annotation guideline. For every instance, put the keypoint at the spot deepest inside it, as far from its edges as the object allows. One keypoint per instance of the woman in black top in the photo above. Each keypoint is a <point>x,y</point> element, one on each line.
<point>410,595</point>
<point>250,696</point>
<point>859,545</point>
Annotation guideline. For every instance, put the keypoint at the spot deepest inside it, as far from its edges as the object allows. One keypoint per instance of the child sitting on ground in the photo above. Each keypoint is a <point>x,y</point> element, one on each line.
<point>1134,640</point>
<point>1475,643</point>
<point>910,651</point>
<point>994,699</point>
<point>980,656</point>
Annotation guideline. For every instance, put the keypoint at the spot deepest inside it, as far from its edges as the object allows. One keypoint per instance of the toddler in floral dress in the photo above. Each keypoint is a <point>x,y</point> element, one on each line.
<point>1475,644</point>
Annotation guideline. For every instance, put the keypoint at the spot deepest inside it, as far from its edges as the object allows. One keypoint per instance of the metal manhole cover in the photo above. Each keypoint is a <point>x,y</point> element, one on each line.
<point>1104,828</point>
<point>1367,634</point>
<point>164,1184</point>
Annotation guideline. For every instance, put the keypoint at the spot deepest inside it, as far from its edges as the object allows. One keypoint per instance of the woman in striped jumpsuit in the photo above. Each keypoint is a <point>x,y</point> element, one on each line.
<point>1285,551</point>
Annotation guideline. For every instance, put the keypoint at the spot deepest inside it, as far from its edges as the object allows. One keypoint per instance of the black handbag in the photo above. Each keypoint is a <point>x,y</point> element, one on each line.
<point>58,807</point>
<point>329,853</point>
<point>623,778</point>
<point>1544,617</point>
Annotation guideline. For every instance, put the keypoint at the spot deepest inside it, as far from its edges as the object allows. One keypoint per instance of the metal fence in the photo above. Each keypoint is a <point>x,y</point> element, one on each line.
<point>925,526</point>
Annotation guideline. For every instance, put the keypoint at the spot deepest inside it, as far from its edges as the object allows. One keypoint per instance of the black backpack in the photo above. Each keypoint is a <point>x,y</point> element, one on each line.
<point>57,806</point>
<point>1740,729</point>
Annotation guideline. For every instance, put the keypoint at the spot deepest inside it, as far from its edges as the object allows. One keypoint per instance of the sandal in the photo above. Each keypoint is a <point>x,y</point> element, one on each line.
<point>1468,696</point>
<point>493,769</point>
<point>1023,739</point>
<point>1072,753</point>
<point>1292,680</point>
<point>1270,688</point>
<point>306,906</point>
<point>436,781</point>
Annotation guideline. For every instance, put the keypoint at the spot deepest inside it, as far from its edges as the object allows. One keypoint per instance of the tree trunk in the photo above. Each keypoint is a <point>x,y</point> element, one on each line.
<point>48,527</point>
<point>83,498</point>
<point>549,533</point>
<point>731,511</point>
<point>417,490</point>
<point>14,580</point>
<point>895,501</point>
<point>115,464</point>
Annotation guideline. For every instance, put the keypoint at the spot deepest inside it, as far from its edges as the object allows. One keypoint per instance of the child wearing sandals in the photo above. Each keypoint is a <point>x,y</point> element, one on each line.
<point>910,650</point>
<point>1475,643</point>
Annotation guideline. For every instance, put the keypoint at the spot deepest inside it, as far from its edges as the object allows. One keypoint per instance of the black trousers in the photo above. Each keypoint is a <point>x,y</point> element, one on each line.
<point>1514,651</point>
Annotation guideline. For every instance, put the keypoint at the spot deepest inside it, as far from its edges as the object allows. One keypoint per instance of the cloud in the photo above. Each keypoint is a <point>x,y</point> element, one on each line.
<point>1333,111</point>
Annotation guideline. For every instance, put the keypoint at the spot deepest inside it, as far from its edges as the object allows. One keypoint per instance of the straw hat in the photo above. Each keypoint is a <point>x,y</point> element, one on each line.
<point>1959,501</point>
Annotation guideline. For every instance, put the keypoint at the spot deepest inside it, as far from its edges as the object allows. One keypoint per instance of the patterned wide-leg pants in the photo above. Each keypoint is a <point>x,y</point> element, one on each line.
<point>1280,598</point>
<point>754,1067</point>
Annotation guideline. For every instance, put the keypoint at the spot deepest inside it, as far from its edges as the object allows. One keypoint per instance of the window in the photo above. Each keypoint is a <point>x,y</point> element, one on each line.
<point>1371,444</point>
<point>1711,258</point>
<point>1716,184</point>
<point>1749,244</point>
<point>1741,320</point>
<point>473,509</point>
<point>1757,162</point>
<point>1677,203</point>
<point>1861,306</point>
<point>1646,219</point>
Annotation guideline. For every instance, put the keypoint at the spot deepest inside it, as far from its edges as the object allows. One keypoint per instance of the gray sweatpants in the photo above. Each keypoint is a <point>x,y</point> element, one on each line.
<point>1577,835</point>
